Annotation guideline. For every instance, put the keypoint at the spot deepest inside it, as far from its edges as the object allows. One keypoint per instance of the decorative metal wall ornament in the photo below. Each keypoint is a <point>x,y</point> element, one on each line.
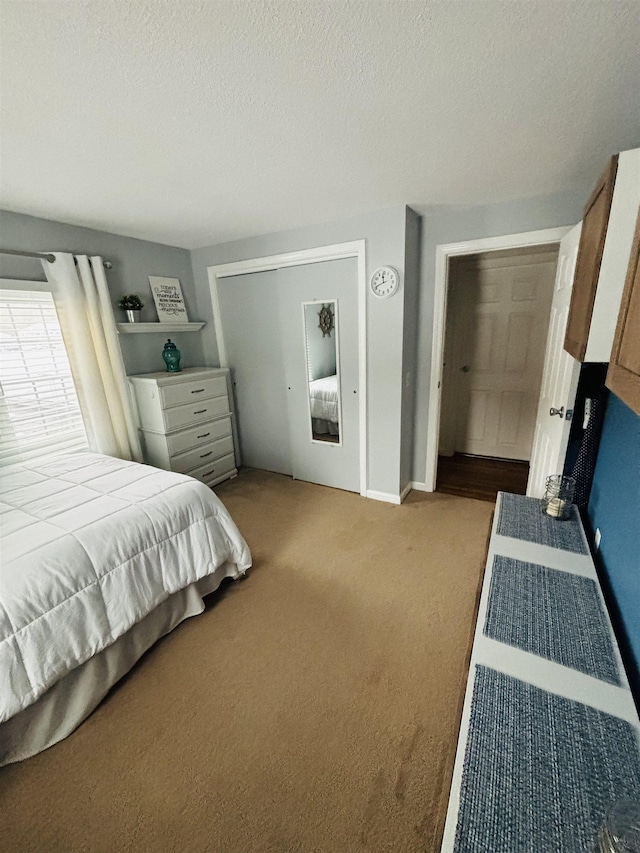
<point>325,316</point>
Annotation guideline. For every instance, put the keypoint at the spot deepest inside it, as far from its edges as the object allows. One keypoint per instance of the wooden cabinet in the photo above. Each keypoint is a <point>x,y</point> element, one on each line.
<point>592,241</point>
<point>186,422</point>
<point>623,376</point>
<point>603,257</point>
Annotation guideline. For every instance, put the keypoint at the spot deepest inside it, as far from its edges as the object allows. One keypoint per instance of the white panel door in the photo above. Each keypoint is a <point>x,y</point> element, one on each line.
<point>500,332</point>
<point>559,379</point>
<point>323,462</point>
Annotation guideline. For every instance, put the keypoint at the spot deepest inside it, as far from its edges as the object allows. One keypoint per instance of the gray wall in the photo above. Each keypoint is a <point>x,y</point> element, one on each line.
<point>455,225</point>
<point>399,330</point>
<point>133,261</point>
<point>384,232</point>
<point>399,337</point>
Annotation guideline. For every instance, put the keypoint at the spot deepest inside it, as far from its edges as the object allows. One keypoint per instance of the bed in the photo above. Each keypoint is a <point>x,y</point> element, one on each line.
<point>101,558</point>
<point>323,394</point>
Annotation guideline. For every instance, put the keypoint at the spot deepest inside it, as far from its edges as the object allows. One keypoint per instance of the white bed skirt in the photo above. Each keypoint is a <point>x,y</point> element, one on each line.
<point>65,705</point>
<point>321,427</point>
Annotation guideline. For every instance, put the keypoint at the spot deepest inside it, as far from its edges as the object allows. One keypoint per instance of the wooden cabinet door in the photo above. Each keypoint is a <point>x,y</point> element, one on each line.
<point>623,376</point>
<point>594,231</point>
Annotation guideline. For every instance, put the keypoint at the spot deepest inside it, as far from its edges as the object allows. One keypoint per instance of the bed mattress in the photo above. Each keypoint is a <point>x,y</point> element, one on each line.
<point>66,704</point>
<point>323,394</point>
<point>92,545</point>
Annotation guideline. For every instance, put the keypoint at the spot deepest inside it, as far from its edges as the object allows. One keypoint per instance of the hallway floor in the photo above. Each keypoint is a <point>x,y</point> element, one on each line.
<point>480,477</point>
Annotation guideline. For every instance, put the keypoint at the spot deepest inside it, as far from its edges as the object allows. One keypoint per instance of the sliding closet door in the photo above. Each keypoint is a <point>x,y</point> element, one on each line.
<point>319,321</point>
<point>250,314</point>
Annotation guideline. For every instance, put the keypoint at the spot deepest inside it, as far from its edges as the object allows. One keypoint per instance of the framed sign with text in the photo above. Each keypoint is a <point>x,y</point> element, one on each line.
<point>167,294</point>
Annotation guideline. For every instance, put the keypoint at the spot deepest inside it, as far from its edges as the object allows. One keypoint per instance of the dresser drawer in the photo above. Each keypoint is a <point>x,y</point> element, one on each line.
<point>192,391</point>
<point>202,455</point>
<point>180,416</point>
<point>186,422</point>
<point>215,470</point>
<point>180,442</point>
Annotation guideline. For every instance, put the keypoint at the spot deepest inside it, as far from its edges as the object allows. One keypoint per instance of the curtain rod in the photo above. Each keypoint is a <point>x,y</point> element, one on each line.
<point>46,256</point>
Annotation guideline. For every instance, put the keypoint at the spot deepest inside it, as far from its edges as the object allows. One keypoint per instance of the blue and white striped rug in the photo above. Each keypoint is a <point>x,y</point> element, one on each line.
<point>540,771</point>
<point>523,518</point>
<point>554,614</point>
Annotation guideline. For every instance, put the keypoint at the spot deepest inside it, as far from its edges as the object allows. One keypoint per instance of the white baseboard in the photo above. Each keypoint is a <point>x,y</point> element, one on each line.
<point>390,498</point>
<point>384,496</point>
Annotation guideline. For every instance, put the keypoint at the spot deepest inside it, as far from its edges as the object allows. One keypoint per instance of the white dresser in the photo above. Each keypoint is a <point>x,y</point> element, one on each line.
<point>186,422</point>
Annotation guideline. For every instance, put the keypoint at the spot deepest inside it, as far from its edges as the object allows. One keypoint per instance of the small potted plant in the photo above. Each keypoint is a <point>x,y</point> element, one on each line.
<point>132,305</point>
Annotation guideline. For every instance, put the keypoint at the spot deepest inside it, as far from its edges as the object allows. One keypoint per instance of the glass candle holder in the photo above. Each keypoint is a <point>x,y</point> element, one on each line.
<point>620,832</point>
<point>558,496</point>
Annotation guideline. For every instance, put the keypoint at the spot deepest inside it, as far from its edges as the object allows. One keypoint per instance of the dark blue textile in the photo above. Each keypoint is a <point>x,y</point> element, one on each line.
<point>523,518</point>
<point>540,771</point>
<point>553,614</point>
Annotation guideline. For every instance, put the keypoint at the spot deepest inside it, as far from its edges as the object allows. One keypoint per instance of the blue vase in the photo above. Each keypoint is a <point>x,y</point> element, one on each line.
<point>171,356</point>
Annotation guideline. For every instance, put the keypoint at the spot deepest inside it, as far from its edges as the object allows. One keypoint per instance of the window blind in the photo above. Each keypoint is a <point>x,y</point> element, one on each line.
<point>39,409</point>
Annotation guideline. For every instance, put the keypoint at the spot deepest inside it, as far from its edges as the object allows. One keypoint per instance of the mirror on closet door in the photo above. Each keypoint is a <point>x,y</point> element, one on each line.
<point>320,322</point>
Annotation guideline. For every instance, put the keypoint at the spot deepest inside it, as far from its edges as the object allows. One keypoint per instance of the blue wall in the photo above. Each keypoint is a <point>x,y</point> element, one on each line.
<point>614,507</point>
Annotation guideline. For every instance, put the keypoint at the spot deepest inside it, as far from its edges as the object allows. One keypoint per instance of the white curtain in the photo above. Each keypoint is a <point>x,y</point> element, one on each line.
<point>81,295</point>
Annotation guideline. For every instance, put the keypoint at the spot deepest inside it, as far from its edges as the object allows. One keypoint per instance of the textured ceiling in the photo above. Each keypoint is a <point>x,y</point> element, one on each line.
<point>192,123</point>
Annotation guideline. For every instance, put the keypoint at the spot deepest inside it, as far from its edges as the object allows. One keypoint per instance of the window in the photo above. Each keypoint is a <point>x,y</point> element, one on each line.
<point>39,409</point>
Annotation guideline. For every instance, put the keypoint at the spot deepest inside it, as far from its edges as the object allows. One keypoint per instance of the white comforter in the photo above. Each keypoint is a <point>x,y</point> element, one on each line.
<point>323,394</point>
<point>91,545</point>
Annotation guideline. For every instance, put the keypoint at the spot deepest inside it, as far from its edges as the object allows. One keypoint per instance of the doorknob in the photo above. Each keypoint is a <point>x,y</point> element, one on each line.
<point>559,411</point>
<point>466,368</point>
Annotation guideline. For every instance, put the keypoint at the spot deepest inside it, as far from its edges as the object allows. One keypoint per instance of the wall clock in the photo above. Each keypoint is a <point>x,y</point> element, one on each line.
<point>384,282</point>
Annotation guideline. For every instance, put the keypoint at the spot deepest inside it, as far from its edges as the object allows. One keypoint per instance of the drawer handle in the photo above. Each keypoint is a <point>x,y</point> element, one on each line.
<point>204,455</point>
<point>198,391</point>
<point>200,412</point>
<point>204,435</point>
<point>208,473</point>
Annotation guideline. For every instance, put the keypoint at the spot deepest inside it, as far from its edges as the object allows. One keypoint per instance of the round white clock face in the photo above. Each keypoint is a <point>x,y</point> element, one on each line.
<point>385,281</point>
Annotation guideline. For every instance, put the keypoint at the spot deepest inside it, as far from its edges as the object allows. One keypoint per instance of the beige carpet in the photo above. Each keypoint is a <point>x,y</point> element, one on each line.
<point>313,707</point>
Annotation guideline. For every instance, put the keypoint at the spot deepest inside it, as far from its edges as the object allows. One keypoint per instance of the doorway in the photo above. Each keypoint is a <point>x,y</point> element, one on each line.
<point>445,253</point>
<point>490,325</point>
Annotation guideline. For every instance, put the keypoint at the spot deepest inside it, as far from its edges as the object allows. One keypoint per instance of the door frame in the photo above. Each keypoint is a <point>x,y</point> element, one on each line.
<point>445,251</point>
<point>338,251</point>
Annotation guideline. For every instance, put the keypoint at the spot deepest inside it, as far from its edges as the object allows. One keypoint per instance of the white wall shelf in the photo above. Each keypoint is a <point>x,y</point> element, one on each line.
<point>140,328</point>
